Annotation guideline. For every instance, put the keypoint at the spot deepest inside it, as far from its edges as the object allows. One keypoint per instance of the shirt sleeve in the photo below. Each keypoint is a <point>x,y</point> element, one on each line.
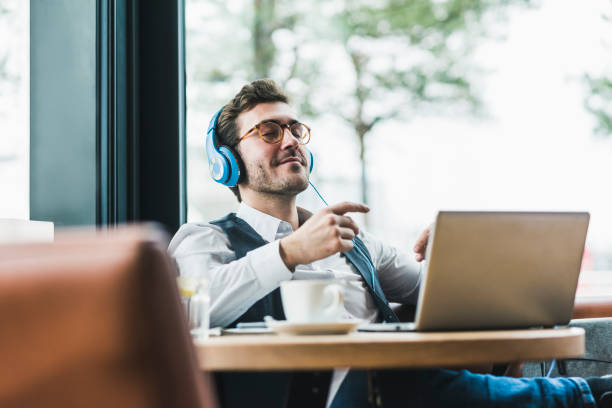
<point>203,250</point>
<point>398,273</point>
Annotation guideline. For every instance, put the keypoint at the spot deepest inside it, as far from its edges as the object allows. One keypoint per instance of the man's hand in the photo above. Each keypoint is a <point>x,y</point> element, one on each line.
<point>420,248</point>
<point>325,233</point>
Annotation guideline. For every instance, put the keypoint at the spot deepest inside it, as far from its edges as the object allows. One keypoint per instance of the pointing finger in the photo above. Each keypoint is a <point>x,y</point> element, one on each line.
<point>347,206</point>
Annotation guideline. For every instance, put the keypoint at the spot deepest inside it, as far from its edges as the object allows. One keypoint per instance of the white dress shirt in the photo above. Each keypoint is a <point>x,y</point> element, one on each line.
<point>203,250</point>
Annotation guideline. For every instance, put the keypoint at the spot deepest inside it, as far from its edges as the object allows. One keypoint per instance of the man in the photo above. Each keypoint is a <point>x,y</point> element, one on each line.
<point>245,257</point>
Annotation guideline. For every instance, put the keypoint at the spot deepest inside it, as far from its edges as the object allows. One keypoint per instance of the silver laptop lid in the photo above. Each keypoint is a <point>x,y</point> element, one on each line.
<point>490,270</point>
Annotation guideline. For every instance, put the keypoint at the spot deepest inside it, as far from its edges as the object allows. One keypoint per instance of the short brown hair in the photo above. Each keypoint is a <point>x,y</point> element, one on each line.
<point>258,91</point>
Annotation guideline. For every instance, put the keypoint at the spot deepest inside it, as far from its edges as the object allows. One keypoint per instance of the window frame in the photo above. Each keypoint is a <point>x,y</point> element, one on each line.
<point>123,65</point>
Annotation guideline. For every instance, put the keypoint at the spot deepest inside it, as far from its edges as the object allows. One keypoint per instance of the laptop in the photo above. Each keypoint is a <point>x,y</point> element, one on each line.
<point>498,270</point>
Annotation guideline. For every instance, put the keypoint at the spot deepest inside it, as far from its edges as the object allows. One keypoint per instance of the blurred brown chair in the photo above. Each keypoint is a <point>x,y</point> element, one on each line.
<point>94,320</point>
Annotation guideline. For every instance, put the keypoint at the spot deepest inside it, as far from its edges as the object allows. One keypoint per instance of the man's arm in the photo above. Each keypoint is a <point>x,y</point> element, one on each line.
<point>401,278</point>
<point>398,273</point>
<point>235,285</point>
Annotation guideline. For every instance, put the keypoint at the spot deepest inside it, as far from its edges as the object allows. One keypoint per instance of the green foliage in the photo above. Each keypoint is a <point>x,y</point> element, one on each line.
<point>437,37</point>
<point>365,61</point>
<point>231,43</point>
<point>599,103</point>
<point>599,98</point>
<point>3,61</point>
<point>268,38</point>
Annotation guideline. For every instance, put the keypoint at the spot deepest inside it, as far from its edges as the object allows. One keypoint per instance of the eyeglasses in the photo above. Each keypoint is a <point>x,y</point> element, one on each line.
<point>272,132</point>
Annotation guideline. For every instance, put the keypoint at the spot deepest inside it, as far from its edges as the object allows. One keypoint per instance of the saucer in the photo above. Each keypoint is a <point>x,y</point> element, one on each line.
<point>284,327</point>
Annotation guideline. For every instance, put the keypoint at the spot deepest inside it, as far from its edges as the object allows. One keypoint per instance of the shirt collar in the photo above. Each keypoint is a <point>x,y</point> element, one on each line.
<point>265,225</point>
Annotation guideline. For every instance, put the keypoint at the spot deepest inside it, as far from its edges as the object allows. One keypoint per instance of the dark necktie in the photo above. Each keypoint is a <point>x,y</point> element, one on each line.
<point>359,256</point>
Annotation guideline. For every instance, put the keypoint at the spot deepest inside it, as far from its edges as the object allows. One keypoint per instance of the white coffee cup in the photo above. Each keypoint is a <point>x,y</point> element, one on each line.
<point>312,301</point>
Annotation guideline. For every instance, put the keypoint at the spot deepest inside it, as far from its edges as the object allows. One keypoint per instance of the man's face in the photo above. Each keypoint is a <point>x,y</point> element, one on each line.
<point>280,168</point>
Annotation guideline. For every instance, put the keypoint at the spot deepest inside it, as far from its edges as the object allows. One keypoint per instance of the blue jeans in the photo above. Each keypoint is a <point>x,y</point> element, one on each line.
<point>446,388</point>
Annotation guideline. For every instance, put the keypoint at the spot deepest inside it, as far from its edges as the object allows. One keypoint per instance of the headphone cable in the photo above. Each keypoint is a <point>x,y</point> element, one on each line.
<point>319,194</point>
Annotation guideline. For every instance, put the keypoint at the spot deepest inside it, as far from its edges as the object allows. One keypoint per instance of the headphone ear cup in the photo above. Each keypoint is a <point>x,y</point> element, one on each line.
<point>240,164</point>
<point>311,162</point>
<point>218,166</point>
<point>241,168</point>
<point>234,166</point>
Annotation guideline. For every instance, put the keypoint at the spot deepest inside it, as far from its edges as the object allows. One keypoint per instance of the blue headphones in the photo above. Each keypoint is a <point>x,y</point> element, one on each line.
<point>223,163</point>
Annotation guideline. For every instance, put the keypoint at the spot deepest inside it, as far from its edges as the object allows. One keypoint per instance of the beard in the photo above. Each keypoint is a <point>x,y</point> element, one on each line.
<point>261,179</point>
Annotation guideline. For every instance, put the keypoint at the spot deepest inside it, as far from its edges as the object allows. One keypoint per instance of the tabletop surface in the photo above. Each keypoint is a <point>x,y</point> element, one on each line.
<point>387,350</point>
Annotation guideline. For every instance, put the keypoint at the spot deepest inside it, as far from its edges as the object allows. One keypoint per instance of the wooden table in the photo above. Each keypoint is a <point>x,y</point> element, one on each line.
<point>387,350</point>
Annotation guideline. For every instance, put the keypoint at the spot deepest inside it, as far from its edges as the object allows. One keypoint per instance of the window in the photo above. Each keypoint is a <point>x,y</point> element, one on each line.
<point>14,109</point>
<point>485,114</point>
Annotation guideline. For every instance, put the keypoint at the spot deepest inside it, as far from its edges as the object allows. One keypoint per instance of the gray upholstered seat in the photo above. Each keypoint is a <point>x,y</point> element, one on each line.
<point>598,347</point>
